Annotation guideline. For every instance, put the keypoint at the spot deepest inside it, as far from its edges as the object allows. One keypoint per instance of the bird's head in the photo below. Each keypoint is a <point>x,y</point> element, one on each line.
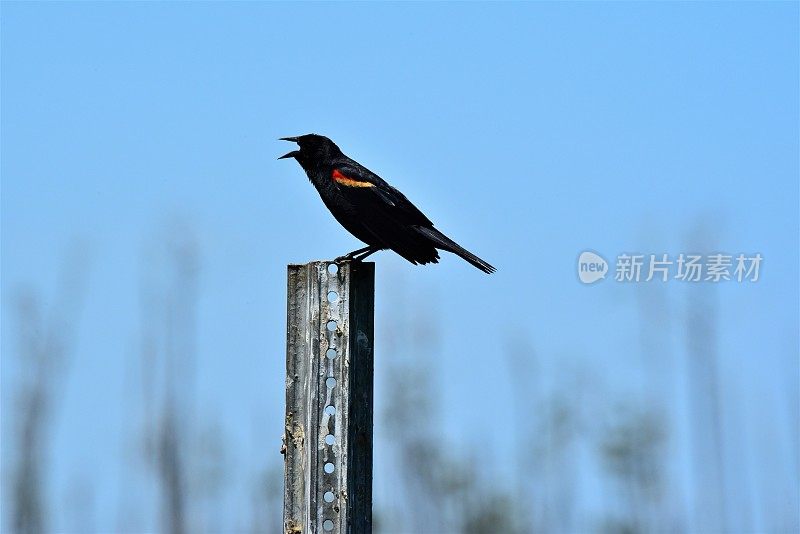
<point>314,150</point>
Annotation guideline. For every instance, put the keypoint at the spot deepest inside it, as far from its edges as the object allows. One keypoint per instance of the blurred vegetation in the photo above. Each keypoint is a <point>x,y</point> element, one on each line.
<point>45,342</point>
<point>570,429</point>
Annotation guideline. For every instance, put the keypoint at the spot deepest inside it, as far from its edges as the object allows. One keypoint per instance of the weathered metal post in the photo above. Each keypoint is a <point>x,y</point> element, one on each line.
<point>329,380</point>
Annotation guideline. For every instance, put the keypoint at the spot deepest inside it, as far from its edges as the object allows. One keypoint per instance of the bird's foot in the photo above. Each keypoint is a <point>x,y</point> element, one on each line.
<point>357,255</point>
<point>346,257</point>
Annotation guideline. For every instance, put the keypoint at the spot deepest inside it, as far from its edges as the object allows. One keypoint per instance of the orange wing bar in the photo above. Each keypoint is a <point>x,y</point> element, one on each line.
<point>340,178</point>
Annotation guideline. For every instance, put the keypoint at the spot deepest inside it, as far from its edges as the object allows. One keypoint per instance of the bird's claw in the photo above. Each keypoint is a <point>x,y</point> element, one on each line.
<point>346,257</point>
<point>356,255</point>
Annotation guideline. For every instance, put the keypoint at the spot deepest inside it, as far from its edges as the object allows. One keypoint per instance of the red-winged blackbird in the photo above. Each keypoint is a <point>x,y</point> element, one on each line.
<point>369,208</point>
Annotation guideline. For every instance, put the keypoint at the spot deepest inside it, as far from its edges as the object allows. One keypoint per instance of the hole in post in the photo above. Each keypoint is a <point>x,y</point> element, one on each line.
<point>331,354</point>
<point>331,326</point>
<point>333,268</point>
<point>330,382</point>
<point>327,525</point>
<point>329,439</point>
<point>330,410</point>
<point>328,496</point>
<point>329,468</point>
<point>332,296</point>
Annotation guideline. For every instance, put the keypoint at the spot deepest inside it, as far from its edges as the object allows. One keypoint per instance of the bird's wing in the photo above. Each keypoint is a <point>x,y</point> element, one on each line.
<point>370,192</point>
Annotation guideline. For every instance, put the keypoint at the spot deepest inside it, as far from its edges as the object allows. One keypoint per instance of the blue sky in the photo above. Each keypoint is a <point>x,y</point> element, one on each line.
<point>527,132</point>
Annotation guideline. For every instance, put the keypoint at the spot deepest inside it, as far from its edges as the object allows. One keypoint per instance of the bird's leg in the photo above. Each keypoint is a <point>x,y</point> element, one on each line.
<point>352,255</point>
<point>372,250</point>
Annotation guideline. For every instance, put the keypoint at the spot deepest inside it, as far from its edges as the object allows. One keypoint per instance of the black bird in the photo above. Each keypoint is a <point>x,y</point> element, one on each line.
<point>369,208</point>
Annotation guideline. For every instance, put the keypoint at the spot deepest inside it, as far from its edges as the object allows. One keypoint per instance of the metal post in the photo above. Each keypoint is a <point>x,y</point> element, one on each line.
<point>329,377</point>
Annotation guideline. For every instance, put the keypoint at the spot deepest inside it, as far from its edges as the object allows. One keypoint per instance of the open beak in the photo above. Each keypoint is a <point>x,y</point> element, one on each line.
<point>293,153</point>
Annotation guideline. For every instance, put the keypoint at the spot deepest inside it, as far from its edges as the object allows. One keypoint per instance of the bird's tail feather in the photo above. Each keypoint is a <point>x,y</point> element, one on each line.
<point>445,243</point>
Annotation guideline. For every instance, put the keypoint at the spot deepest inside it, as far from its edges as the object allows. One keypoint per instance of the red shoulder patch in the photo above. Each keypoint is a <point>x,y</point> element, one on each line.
<point>341,179</point>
